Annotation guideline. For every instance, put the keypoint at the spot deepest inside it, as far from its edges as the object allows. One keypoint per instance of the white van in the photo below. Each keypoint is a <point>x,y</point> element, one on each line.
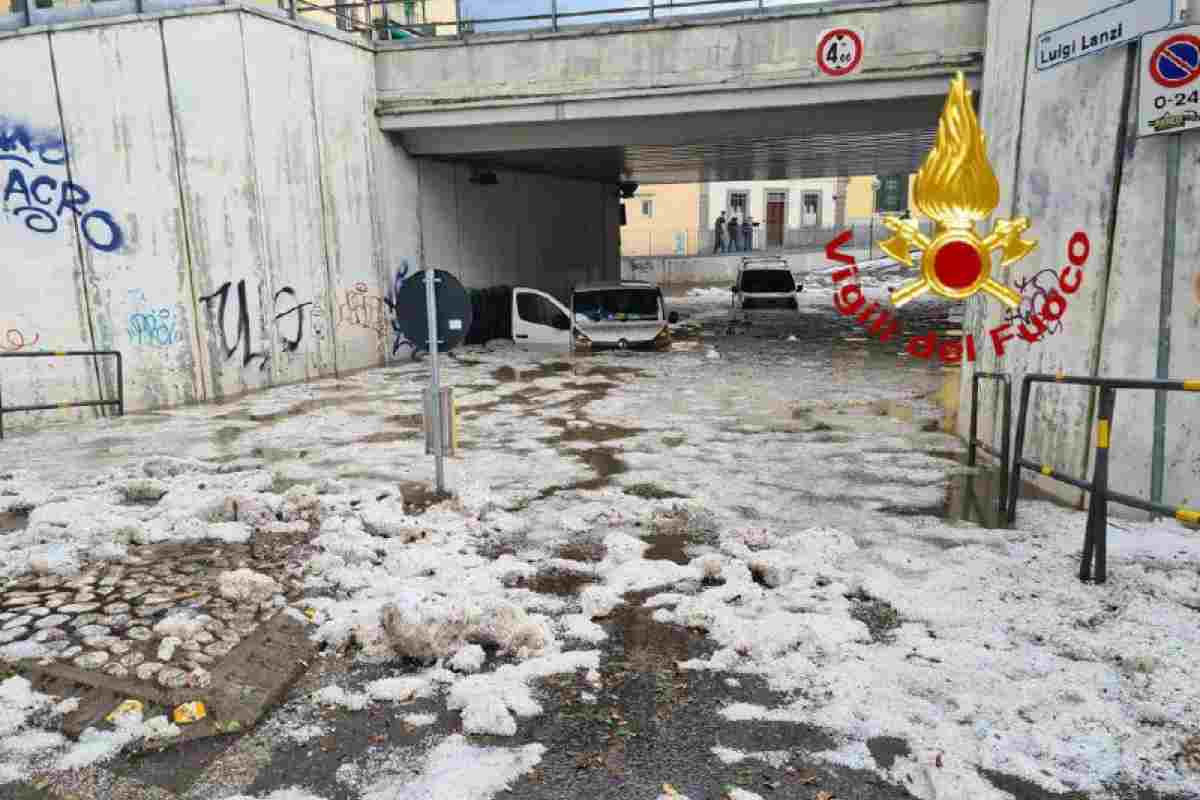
<point>623,315</point>
<point>765,282</point>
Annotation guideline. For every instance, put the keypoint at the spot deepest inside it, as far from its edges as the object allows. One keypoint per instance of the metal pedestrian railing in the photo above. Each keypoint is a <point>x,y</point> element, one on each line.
<point>119,402</point>
<point>976,443</point>
<point>1095,545</point>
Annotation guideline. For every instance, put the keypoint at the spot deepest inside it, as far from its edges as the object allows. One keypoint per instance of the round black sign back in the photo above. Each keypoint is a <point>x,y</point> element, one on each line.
<point>453,311</point>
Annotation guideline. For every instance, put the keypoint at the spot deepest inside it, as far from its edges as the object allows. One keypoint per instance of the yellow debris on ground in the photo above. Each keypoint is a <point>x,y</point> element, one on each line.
<point>190,712</point>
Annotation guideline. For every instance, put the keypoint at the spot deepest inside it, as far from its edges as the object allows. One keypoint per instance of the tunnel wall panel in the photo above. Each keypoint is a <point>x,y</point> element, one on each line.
<point>42,306</point>
<point>140,291</point>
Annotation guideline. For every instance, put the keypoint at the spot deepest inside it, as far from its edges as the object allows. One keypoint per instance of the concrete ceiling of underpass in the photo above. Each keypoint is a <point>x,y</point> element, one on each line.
<point>878,138</point>
<point>743,159</point>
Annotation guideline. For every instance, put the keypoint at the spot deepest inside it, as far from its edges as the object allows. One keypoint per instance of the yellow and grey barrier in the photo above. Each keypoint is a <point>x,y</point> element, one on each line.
<point>1095,546</point>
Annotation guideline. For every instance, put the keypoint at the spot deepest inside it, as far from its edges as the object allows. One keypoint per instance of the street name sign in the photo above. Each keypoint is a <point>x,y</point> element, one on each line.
<point>1117,24</point>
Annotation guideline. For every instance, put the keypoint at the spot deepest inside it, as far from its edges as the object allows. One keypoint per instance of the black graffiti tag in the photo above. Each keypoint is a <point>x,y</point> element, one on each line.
<point>1034,296</point>
<point>290,345</point>
<point>243,324</point>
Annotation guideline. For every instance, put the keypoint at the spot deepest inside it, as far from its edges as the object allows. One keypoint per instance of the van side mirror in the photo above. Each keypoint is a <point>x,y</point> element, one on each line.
<point>673,317</point>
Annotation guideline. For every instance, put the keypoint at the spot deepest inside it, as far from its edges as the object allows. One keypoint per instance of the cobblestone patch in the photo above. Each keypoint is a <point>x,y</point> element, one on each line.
<point>163,626</point>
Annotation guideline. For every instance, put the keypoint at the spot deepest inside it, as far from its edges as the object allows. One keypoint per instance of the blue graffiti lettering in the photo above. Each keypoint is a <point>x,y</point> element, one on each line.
<point>41,202</point>
<point>115,238</point>
<point>38,196</point>
<point>47,145</point>
<point>153,327</point>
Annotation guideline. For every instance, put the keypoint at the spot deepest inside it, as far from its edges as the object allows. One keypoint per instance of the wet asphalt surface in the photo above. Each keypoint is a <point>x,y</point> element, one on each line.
<point>650,723</point>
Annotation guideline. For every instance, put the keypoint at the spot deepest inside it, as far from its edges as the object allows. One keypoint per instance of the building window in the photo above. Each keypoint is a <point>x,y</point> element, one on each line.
<point>738,203</point>
<point>810,209</point>
<point>648,207</point>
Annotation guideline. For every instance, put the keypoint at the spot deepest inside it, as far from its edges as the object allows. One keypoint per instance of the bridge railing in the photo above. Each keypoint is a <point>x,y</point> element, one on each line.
<point>399,20</point>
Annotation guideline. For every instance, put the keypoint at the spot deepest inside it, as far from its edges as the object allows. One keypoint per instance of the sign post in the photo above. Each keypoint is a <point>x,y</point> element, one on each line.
<point>439,311</point>
<point>435,380</point>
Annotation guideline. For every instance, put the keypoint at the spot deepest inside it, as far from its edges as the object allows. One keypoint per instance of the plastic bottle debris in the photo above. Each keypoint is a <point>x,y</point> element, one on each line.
<point>125,709</point>
<point>190,712</point>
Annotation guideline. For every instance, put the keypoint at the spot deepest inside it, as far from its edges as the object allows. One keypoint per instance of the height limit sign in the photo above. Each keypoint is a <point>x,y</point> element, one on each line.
<point>1169,99</point>
<point>839,51</point>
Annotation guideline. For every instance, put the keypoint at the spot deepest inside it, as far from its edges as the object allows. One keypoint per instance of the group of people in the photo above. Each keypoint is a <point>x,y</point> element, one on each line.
<point>731,237</point>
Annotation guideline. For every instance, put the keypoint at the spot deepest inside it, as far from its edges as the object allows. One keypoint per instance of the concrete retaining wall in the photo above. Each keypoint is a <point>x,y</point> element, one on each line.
<point>1071,165</point>
<point>209,193</point>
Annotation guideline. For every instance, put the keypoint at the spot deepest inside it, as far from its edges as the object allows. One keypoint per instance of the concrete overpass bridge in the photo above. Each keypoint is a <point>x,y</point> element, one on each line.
<point>687,99</point>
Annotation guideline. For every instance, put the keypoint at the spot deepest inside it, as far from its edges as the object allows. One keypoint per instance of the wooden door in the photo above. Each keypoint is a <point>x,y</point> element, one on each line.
<point>776,214</point>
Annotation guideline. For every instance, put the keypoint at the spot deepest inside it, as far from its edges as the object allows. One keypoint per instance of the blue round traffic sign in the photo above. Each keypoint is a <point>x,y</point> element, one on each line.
<point>454,311</point>
<point>1176,62</point>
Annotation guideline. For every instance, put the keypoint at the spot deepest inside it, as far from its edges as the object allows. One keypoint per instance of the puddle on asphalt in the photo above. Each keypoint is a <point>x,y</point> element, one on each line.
<point>973,497</point>
<point>585,430</point>
<point>582,551</point>
<point>514,375</point>
<point>388,437</point>
<point>11,522</point>
<point>668,547</point>
<point>561,584</point>
<point>643,645</point>
<point>419,496</point>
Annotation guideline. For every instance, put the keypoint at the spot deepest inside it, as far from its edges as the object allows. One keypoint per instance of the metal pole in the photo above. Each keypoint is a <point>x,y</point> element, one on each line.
<point>120,386</point>
<point>291,9</point>
<point>1005,454</point>
<point>1018,452</point>
<point>974,420</point>
<point>435,387</point>
<point>554,14</point>
<point>458,18</point>
<point>1095,542</point>
<point>1159,452</point>
<point>652,10</point>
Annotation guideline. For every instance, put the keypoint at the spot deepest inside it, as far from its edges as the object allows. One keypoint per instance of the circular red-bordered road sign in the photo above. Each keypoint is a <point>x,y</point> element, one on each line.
<point>839,52</point>
<point>1176,62</point>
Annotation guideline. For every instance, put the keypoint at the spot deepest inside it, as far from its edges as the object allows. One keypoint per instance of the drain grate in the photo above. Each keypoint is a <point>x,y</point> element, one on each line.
<point>248,681</point>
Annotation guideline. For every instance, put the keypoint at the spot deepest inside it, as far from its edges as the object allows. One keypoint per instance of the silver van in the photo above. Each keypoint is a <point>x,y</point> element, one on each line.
<point>623,315</point>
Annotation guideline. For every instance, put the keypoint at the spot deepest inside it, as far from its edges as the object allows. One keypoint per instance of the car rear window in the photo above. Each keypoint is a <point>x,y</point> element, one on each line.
<point>768,280</point>
<point>618,304</point>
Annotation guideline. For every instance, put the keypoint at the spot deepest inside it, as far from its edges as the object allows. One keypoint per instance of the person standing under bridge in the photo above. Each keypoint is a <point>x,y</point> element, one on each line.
<point>733,234</point>
<point>747,234</point>
<point>719,234</point>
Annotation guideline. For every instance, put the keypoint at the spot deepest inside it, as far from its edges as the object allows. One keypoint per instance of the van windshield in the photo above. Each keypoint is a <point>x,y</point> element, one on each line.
<point>618,304</point>
<point>768,280</point>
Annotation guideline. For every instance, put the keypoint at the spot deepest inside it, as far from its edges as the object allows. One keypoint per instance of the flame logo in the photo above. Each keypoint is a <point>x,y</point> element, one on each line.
<point>956,185</point>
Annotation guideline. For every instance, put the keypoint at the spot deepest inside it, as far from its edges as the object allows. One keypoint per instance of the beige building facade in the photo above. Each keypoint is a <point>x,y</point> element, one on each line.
<point>679,219</point>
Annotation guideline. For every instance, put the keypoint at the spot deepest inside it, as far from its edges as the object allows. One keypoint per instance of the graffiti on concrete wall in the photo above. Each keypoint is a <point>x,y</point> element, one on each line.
<point>38,198</point>
<point>399,339</point>
<point>1036,292</point>
<point>14,340</point>
<point>289,322</point>
<point>360,309</point>
<point>152,326</point>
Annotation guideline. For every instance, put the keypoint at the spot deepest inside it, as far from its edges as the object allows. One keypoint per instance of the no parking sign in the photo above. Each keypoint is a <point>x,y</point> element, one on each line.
<point>1169,99</point>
